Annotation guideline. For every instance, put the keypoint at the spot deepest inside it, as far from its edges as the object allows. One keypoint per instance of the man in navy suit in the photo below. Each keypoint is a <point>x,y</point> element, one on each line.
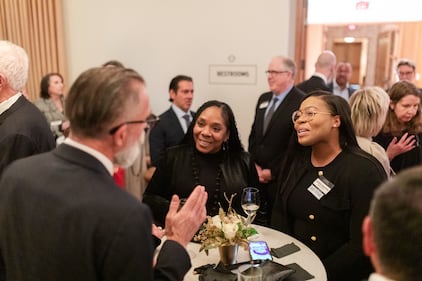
<point>273,127</point>
<point>325,68</point>
<point>340,86</point>
<point>24,131</point>
<point>174,122</point>
<point>62,217</point>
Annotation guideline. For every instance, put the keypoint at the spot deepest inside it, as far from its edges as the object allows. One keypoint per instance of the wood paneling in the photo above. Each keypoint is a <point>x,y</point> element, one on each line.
<point>410,45</point>
<point>349,52</point>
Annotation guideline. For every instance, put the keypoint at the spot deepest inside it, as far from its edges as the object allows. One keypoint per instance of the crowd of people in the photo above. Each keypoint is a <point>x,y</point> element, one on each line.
<point>318,151</point>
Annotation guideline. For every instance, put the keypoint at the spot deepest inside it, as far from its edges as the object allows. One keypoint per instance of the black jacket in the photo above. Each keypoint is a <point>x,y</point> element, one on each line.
<point>174,175</point>
<point>62,217</point>
<point>331,226</point>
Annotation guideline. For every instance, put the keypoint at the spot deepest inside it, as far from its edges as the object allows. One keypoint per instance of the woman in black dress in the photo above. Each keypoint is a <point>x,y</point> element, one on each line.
<point>211,155</point>
<point>402,130</point>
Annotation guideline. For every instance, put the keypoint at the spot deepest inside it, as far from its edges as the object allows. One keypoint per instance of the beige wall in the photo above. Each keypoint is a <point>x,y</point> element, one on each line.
<point>164,38</point>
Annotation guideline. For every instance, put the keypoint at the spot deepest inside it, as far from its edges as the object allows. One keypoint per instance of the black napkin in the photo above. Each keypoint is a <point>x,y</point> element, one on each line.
<point>271,271</point>
<point>299,274</point>
<point>284,250</point>
<point>219,273</point>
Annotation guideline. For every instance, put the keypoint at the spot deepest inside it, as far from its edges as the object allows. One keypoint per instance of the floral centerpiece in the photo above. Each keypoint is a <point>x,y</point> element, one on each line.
<point>224,229</point>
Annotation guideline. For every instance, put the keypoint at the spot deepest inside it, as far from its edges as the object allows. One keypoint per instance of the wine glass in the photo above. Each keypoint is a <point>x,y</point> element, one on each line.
<point>250,202</point>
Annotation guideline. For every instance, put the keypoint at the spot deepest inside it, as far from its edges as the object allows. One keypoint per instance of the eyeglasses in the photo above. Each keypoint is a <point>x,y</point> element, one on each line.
<point>274,72</point>
<point>407,73</point>
<point>150,122</point>
<point>307,115</point>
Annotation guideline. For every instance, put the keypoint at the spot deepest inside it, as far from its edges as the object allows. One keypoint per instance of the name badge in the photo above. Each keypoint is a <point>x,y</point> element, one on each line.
<point>263,105</point>
<point>320,187</point>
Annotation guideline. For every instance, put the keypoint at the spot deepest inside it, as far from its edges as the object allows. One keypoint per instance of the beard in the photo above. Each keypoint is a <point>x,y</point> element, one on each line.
<point>127,156</point>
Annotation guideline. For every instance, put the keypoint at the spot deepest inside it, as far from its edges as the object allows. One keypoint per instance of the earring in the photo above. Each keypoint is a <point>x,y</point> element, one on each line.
<point>225,146</point>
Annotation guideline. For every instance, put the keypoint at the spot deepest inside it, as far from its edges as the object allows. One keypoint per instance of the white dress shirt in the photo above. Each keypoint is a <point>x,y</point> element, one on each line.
<point>180,113</point>
<point>5,105</point>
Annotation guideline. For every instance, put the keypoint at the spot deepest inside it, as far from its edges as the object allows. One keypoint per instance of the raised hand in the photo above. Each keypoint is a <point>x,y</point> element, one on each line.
<point>396,147</point>
<point>181,225</point>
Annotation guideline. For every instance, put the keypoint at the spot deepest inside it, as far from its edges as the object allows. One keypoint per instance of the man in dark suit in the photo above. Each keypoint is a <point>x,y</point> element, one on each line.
<point>392,233</point>
<point>340,85</point>
<point>325,67</point>
<point>62,217</point>
<point>273,127</point>
<point>174,122</point>
<point>23,128</point>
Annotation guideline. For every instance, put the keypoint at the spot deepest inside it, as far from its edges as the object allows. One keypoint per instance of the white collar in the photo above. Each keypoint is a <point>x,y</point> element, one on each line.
<point>5,105</point>
<point>180,113</point>
<point>378,277</point>
<point>320,75</point>
<point>108,164</point>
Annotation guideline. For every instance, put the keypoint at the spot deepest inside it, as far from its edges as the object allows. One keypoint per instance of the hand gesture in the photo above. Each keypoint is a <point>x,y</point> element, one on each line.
<point>181,225</point>
<point>264,175</point>
<point>397,147</point>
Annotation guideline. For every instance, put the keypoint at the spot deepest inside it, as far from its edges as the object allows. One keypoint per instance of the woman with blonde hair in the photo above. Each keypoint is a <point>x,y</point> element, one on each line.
<point>369,108</point>
<point>402,130</point>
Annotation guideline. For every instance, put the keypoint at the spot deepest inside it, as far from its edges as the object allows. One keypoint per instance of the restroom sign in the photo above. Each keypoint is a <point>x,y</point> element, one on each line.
<point>232,74</point>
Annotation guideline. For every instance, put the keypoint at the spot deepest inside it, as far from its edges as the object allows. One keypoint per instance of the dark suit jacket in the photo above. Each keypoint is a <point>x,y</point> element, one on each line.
<point>267,149</point>
<point>349,89</point>
<point>312,84</point>
<point>166,133</point>
<point>23,132</point>
<point>66,219</point>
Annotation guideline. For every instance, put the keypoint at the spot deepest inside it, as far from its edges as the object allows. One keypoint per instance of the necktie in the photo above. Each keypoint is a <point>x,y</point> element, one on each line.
<point>187,119</point>
<point>269,114</point>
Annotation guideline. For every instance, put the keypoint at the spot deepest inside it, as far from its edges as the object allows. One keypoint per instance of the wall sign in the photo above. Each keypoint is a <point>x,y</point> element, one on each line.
<point>232,74</point>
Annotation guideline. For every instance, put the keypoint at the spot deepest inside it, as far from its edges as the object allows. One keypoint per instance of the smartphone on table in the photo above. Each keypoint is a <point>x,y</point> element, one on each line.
<point>258,250</point>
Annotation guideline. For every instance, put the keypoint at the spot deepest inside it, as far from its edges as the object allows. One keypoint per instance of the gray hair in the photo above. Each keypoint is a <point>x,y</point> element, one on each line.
<point>405,62</point>
<point>99,98</point>
<point>14,64</point>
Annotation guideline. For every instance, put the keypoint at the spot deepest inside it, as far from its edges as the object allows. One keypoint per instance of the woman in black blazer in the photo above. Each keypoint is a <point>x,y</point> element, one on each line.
<point>326,186</point>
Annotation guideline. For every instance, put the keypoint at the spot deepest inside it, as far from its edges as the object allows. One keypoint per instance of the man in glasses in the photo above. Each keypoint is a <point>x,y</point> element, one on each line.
<point>406,70</point>
<point>62,217</point>
<point>272,127</point>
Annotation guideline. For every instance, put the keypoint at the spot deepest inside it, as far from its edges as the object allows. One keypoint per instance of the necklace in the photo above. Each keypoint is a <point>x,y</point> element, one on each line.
<point>214,192</point>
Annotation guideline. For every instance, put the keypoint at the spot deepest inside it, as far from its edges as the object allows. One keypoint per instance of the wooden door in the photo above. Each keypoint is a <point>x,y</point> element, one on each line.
<point>350,52</point>
<point>384,62</point>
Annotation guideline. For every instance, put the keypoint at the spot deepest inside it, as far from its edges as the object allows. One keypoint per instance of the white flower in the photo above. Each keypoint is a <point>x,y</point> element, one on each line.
<point>226,228</point>
<point>216,221</point>
<point>230,230</point>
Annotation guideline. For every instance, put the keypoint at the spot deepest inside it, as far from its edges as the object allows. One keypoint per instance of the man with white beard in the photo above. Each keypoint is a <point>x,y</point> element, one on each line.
<point>62,217</point>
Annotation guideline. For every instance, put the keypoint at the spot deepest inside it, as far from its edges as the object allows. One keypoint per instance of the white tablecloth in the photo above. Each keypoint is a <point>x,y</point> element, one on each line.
<point>305,257</point>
